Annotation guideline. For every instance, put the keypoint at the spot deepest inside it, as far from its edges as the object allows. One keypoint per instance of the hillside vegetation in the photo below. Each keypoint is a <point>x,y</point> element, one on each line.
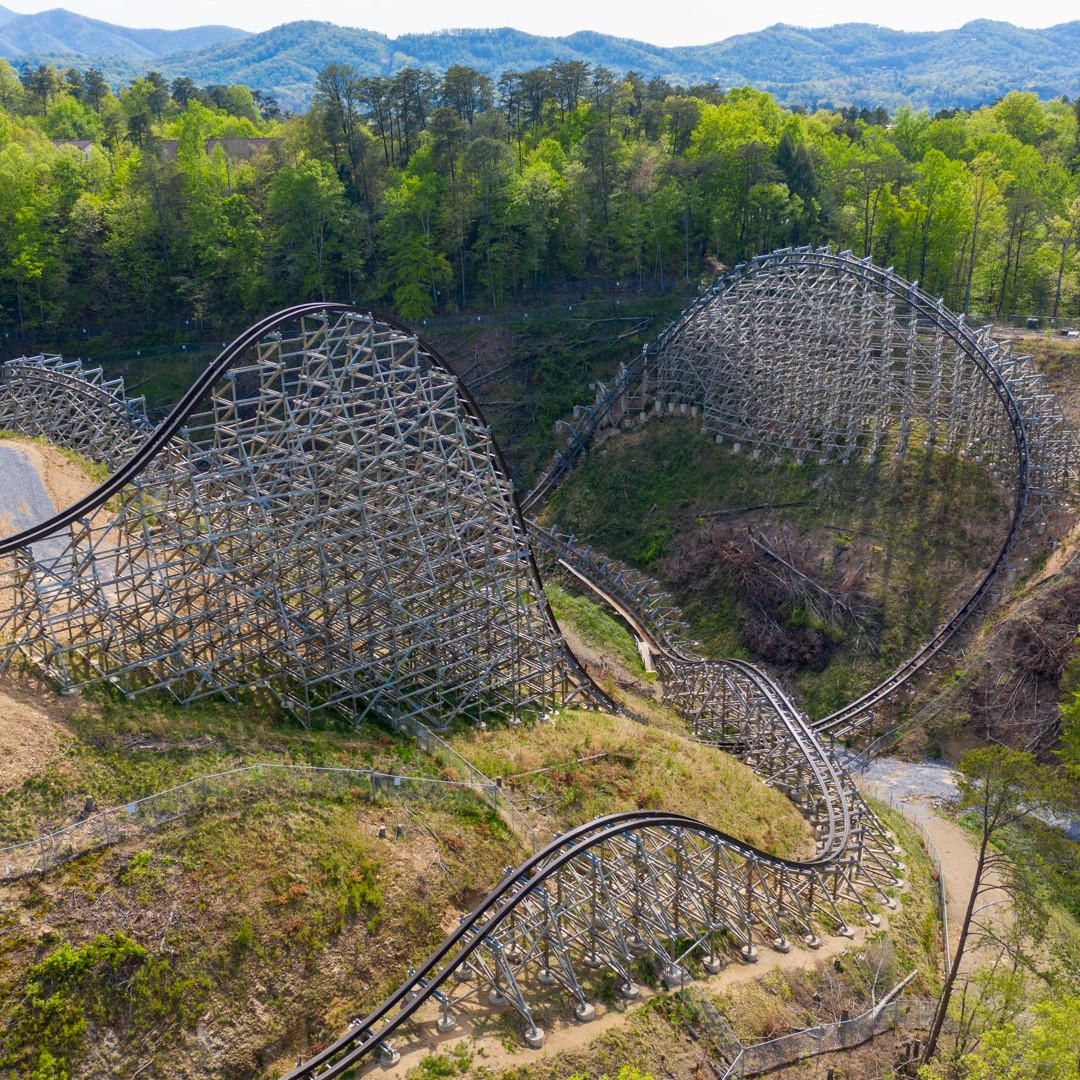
<point>255,925</point>
<point>849,64</point>
<point>899,544</point>
<point>585,764</point>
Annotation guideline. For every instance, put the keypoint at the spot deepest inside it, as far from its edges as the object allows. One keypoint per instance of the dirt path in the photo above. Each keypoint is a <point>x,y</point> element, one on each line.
<point>32,727</point>
<point>62,480</point>
<point>925,787</point>
<point>959,859</point>
<point>492,1035</point>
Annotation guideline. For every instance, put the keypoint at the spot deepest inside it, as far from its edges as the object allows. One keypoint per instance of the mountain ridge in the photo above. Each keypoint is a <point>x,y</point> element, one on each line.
<point>857,64</point>
<point>65,32</point>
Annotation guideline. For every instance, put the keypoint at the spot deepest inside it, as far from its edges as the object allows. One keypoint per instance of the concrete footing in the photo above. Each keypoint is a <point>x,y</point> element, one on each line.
<point>584,1011</point>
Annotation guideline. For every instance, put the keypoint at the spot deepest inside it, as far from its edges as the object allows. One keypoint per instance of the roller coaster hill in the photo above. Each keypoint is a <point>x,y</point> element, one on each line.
<point>325,518</point>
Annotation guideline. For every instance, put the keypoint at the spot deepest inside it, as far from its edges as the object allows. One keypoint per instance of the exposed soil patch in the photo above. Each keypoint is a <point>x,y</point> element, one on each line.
<point>32,727</point>
<point>63,480</point>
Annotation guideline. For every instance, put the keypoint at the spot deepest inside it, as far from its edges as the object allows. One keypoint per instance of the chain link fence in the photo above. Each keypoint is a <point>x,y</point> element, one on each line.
<point>217,792</point>
<point>828,1038</point>
<point>485,787</point>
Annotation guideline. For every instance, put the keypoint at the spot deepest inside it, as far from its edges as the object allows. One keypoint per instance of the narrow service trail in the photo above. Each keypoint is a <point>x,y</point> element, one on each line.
<point>924,786</point>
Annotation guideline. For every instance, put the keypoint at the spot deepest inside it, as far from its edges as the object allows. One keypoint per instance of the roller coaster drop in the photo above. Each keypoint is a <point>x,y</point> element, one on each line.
<point>338,528</point>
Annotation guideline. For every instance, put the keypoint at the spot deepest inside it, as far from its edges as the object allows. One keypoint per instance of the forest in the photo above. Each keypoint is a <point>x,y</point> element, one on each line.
<point>427,194</point>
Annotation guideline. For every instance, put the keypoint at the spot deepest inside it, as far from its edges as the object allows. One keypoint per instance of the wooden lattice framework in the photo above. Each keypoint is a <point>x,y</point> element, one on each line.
<point>333,526</point>
<point>324,517</point>
<point>805,355</point>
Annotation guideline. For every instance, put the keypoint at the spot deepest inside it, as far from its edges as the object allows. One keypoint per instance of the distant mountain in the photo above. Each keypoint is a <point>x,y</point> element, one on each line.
<point>851,64</point>
<point>62,32</point>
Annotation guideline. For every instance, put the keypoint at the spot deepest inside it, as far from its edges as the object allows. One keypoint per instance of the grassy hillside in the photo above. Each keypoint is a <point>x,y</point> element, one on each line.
<point>255,926</point>
<point>900,543</point>
<point>584,764</point>
<point>236,933</point>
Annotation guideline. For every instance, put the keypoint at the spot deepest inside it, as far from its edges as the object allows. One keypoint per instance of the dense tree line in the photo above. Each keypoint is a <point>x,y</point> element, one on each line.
<point>427,193</point>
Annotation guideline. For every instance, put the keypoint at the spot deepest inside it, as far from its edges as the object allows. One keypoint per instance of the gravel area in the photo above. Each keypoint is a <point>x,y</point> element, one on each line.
<point>932,781</point>
<point>24,501</point>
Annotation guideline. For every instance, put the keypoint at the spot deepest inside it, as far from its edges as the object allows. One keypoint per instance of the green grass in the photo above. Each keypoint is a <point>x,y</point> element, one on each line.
<point>643,767</point>
<point>595,627</point>
<point>275,900</point>
<point>109,981</point>
<point>121,751</point>
<point>918,532</point>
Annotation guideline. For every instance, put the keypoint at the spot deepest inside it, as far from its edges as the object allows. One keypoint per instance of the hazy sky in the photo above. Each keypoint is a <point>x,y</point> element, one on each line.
<point>669,22</point>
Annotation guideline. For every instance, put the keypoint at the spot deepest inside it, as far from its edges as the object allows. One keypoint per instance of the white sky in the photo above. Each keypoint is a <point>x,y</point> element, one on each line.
<point>670,22</point>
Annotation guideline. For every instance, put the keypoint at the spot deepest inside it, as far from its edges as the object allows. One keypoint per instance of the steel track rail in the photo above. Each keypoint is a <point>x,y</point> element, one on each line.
<point>159,437</point>
<point>526,879</point>
<point>825,773</point>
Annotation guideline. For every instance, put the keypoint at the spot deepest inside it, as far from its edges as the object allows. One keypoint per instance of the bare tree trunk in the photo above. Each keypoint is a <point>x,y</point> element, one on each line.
<point>954,970</point>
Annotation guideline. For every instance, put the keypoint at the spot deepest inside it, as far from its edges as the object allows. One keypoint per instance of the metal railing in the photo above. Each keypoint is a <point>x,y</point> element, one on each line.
<point>141,816</point>
<point>488,790</point>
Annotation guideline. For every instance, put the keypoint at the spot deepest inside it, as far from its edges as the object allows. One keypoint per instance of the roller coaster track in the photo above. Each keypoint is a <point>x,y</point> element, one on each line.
<point>1021,407</point>
<point>157,438</point>
<point>734,705</point>
<point>769,731</point>
<point>492,565</point>
<point>604,893</point>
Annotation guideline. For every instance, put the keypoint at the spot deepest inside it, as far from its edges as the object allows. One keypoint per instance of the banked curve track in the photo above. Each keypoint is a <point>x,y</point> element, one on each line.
<point>1034,440</point>
<point>673,880</point>
<point>158,436</point>
<point>732,704</point>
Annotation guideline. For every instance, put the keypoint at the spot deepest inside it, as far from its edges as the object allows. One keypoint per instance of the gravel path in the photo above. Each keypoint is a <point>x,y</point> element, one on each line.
<point>926,781</point>
<point>24,501</point>
<point>904,779</point>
